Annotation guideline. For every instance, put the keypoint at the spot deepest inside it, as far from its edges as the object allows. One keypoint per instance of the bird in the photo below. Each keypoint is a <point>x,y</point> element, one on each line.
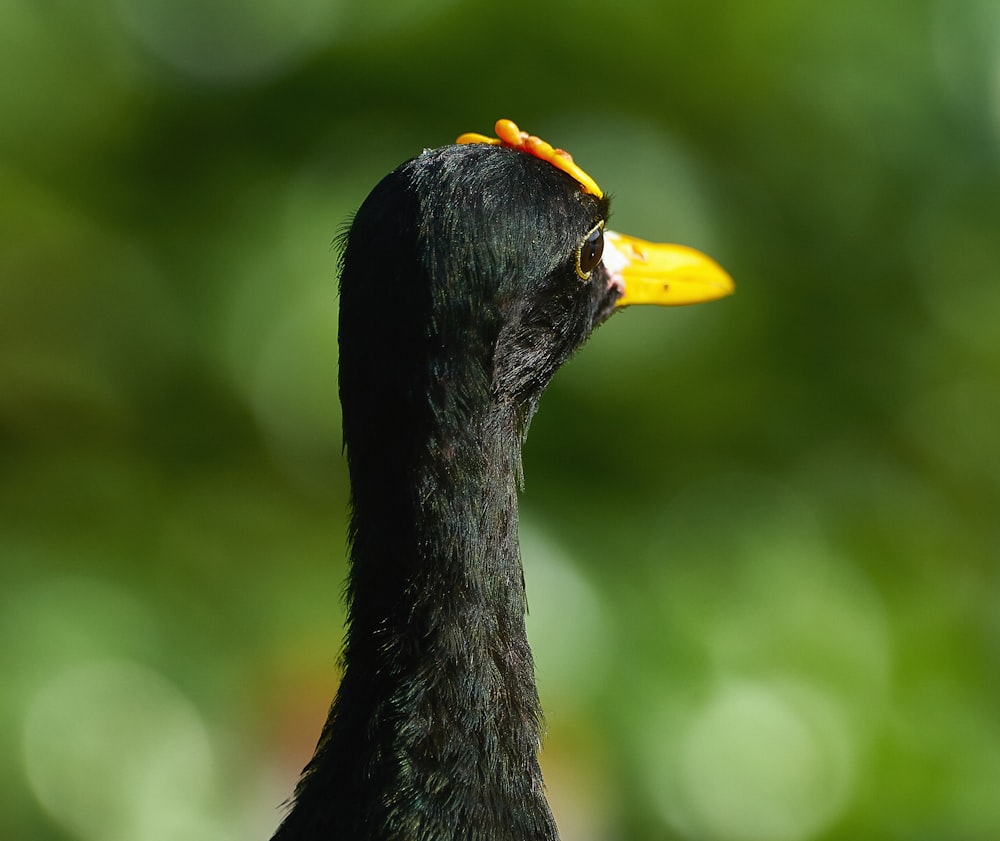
<point>468,275</point>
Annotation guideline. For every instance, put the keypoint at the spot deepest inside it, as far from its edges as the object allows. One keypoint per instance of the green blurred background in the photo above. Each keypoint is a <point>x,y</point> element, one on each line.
<point>761,536</point>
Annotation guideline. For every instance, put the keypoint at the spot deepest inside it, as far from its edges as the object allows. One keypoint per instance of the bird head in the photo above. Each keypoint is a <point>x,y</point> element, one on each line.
<point>480,267</point>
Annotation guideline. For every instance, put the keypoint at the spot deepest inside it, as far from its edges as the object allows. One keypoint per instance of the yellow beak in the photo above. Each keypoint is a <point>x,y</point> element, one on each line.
<point>658,273</point>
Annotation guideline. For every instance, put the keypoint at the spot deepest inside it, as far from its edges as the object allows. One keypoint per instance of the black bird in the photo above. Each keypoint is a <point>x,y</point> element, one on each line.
<point>469,275</point>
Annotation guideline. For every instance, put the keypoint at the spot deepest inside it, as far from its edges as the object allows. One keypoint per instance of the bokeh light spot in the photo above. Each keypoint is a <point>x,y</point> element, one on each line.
<point>115,752</point>
<point>758,765</point>
<point>568,627</point>
<point>229,41</point>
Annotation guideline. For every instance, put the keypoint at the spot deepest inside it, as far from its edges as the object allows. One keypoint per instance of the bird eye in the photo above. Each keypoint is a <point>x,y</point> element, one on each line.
<point>591,251</point>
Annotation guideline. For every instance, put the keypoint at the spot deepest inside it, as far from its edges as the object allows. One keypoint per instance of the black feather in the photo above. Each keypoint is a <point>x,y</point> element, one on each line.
<point>459,300</point>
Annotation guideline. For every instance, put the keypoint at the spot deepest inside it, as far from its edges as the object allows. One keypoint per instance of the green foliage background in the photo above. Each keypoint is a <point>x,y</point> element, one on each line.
<point>761,536</point>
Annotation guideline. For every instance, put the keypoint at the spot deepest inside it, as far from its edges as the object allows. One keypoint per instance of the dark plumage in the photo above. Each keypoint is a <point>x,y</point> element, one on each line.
<point>460,297</point>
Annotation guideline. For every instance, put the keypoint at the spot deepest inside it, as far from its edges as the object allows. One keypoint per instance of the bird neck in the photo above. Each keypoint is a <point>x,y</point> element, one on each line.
<point>436,726</point>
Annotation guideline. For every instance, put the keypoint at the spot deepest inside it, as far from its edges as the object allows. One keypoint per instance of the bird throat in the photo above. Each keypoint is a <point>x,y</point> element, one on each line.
<point>435,730</point>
